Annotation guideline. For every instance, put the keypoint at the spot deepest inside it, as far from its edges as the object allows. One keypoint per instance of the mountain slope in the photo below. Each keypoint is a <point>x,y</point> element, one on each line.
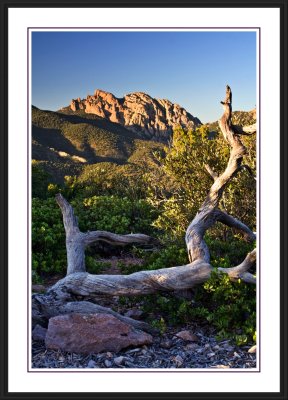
<point>66,143</point>
<point>138,112</point>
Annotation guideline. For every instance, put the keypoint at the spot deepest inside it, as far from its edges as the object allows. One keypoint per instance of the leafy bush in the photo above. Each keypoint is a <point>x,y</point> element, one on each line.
<point>107,178</point>
<point>40,180</point>
<point>229,306</point>
<point>184,181</point>
<point>114,214</point>
<point>48,238</point>
<point>96,213</point>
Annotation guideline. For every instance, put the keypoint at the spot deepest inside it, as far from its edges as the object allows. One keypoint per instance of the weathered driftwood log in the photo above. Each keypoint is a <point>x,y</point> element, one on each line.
<point>78,284</point>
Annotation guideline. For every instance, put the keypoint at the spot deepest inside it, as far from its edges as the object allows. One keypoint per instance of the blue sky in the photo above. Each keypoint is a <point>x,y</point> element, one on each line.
<point>188,68</point>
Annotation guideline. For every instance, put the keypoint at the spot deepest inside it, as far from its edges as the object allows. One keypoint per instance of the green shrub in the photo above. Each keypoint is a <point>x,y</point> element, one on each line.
<point>230,307</point>
<point>93,266</point>
<point>48,238</point>
<point>40,180</point>
<point>97,213</point>
<point>114,214</point>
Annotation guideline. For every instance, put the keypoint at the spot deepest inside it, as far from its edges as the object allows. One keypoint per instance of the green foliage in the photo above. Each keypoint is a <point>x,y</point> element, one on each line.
<point>160,325</point>
<point>110,179</point>
<point>183,166</point>
<point>93,141</point>
<point>244,117</point>
<point>94,266</point>
<point>108,213</point>
<point>40,179</point>
<point>168,257</point>
<point>114,214</point>
<point>227,253</point>
<point>174,311</point>
<point>185,182</point>
<point>230,307</point>
<point>48,238</point>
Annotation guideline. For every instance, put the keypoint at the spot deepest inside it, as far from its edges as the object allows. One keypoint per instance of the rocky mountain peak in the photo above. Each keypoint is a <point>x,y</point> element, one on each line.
<point>138,112</point>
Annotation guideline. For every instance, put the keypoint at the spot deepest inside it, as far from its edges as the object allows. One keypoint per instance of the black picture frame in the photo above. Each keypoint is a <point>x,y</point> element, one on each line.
<point>282,5</point>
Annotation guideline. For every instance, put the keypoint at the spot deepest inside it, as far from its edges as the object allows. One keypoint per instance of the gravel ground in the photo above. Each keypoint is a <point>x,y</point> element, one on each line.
<point>167,351</point>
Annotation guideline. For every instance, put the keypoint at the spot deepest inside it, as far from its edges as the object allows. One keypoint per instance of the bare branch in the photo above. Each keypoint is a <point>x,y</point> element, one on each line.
<point>210,171</point>
<point>232,222</point>
<point>248,278</point>
<point>244,130</point>
<point>240,272</point>
<point>114,239</point>
<point>69,219</point>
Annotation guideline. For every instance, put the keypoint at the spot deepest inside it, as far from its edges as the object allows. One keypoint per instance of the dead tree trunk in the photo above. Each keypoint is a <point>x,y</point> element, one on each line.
<point>60,299</point>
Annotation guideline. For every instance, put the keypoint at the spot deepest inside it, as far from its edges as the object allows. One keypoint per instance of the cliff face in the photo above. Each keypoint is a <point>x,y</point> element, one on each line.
<point>138,112</point>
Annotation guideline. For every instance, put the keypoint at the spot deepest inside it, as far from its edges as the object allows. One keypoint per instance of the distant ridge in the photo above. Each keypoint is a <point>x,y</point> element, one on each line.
<point>138,112</point>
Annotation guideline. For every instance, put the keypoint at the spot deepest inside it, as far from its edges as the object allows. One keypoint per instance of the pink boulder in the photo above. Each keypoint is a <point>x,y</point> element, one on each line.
<point>92,333</point>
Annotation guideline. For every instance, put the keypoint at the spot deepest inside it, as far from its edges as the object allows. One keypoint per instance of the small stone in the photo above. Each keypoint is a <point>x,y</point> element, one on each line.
<point>236,355</point>
<point>216,348</point>
<point>91,364</point>
<point>178,360</point>
<point>166,344</point>
<point>188,336</point>
<point>129,364</point>
<point>191,346</point>
<point>227,347</point>
<point>132,351</point>
<point>118,360</point>
<point>38,289</point>
<point>39,333</point>
<point>134,313</point>
<point>253,349</point>
<point>210,355</point>
<point>107,363</point>
<point>109,355</point>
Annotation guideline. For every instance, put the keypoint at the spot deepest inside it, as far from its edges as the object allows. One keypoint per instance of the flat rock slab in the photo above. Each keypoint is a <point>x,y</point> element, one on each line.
<point>92,333</point>
<point>187,336</point>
